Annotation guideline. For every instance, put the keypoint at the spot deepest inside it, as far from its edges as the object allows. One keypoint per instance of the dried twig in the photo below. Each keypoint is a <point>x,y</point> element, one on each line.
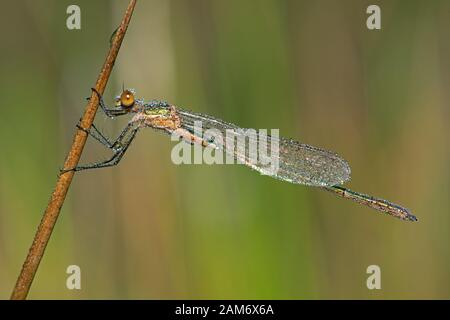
<point>51,214</point>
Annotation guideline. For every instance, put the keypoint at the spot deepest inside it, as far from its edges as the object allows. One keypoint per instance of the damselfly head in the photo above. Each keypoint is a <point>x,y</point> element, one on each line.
<point>126,99</point>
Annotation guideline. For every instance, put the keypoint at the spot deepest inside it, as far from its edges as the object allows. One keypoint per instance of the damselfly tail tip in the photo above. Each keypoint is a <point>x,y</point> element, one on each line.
<point>408,216</point>
<point>411,217</point>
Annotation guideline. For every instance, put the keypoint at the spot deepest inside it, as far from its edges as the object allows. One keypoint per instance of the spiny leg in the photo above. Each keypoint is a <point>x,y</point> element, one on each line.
<point>97,135</point>
<point>118,146</point>
<point>115,159</point>
<point>124,132</point>
<point>101,135</point>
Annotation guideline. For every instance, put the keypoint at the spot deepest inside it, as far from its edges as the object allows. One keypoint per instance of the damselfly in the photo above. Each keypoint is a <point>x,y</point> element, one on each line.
<point>298,163</point>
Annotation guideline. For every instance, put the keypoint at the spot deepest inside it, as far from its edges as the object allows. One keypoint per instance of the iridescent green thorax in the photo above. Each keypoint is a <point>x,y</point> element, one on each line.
<point>155,108</point>
<point>157,111</point>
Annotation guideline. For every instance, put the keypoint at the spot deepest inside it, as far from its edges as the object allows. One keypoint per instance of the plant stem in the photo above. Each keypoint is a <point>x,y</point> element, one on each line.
<point>53,209</point>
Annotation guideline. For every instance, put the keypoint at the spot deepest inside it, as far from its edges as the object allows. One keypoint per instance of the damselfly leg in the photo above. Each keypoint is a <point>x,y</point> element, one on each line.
<point>97,135</point>
<point>119,146</point>
<point>121,143</point>
<point>119,150</point>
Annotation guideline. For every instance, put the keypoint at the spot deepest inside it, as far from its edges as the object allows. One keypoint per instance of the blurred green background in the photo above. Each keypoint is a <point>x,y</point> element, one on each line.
<point>151,229</point>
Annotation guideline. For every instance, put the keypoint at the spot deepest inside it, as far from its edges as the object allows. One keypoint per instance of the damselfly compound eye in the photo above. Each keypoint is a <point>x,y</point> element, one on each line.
<point>127,99</point>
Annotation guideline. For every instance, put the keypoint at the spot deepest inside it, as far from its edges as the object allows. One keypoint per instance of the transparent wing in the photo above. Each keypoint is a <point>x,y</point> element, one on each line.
<point>297,162</point>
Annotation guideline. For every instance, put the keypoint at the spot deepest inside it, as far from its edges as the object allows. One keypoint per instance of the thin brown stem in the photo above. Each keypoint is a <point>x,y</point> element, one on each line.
<point>53,209</point>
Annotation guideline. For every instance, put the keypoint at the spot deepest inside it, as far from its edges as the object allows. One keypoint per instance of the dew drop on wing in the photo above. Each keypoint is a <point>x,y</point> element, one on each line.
<point>298,163</point>
<point>304,164</point>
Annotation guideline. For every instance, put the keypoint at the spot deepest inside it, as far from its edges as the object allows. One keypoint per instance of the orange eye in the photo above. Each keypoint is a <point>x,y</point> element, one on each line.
<point>127,99</point>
